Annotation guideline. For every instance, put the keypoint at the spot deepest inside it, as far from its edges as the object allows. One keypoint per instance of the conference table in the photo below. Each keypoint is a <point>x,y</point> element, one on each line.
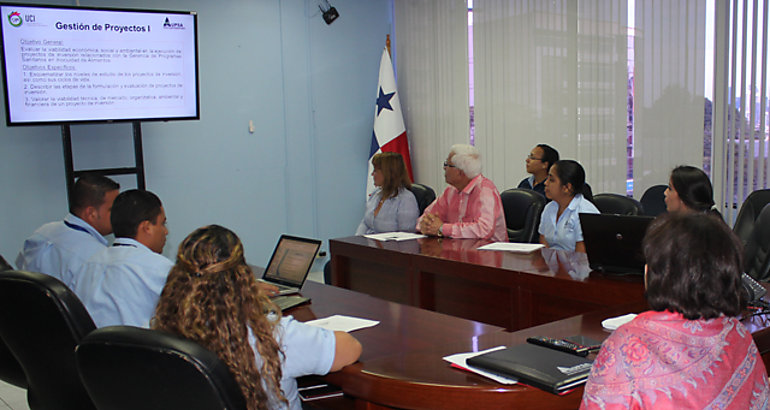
<point>436,297</point>
<point>451,276</point>
<point>401,365</point>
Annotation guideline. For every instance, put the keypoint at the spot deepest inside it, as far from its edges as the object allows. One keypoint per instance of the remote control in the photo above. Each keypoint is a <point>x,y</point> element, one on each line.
<point>559,344</point>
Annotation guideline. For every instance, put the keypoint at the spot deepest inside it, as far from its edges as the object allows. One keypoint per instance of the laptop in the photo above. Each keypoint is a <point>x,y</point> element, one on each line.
<point>614,242</point>
<point>290,264</point>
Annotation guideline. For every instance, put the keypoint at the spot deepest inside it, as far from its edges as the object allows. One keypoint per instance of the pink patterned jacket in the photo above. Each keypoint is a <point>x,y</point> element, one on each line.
<point>474,212</point>
<point>661,360</point>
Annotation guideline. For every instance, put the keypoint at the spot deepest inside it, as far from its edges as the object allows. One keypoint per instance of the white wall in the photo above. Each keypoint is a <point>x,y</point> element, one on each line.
<point>308,87</point>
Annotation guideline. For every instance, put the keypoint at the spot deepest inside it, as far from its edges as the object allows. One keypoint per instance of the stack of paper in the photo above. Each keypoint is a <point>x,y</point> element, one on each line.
<point>512,247</point>
<point>394,236</point>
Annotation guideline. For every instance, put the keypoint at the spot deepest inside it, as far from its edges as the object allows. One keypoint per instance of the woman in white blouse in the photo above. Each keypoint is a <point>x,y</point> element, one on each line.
<point>392,206</point>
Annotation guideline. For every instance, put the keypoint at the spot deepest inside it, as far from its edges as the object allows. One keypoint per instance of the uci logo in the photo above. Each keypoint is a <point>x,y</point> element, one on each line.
<point>15,19</point>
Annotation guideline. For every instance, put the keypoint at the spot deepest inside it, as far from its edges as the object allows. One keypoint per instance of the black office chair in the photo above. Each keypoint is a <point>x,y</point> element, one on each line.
<point>42,321</point>
<point>654,200</point>
<point>617,204</point>
<point>749,213</point>
<point>522,209</point>
<point>10,369</point>
<point>756,254</point>
<point>127,368</point>
<point>424,194</point>
<point>4,265</point>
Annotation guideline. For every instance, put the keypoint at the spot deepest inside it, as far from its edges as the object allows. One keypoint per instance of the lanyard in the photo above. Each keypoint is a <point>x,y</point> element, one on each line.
<point>76,227</point>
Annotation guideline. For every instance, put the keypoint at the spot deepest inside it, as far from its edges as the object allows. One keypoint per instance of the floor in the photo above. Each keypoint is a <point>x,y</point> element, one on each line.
<point>15,398</point>
<point>12,397</point>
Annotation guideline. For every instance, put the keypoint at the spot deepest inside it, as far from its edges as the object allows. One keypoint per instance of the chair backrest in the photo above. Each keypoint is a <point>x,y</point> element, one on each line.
<point>617,204</point>
<point>125,367</point>
<point>4,265</point>
<point>522,208</point>
<point>42,321</point>
<point>654,200</point>
<point>10,369</point>
<point>424,194</point>
<point>756,254</point>
<point>749,213</point>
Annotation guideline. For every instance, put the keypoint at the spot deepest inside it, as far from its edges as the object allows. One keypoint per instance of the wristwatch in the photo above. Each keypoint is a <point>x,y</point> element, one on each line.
<point>441,231</point>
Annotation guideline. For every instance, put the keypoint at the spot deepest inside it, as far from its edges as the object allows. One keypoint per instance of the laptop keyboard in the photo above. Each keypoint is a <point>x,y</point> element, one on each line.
<point>288,302</point>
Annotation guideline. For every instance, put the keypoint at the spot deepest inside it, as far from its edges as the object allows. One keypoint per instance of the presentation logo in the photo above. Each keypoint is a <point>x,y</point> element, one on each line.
<point>15,19</point>
<point>167,24</point>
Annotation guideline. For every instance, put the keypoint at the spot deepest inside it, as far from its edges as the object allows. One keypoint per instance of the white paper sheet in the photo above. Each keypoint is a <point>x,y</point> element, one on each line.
<point>512,247</point>
<point>615,322</point>
<point>459,359</point>
<point>342,323</point>
<point>394,236</point>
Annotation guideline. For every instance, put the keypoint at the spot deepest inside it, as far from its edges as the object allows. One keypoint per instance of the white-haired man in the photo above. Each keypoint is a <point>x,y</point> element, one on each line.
<point>470,206</point>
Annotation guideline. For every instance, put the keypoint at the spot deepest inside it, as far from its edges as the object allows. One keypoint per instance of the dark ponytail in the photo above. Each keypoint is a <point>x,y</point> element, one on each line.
<point>693,187</point>
<point>571,172</point>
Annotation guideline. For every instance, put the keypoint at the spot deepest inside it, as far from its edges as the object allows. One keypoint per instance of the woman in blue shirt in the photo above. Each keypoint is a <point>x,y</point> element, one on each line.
<point>569,195</point>
<point>212,298</point>
<point>392,206</point>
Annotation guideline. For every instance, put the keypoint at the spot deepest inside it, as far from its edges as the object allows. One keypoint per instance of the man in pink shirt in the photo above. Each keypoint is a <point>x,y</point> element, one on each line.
<point>470,206</point>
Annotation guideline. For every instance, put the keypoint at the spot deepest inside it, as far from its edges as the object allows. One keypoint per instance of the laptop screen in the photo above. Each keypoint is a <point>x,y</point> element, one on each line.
<point>291,260</point>
<point>614,242</point>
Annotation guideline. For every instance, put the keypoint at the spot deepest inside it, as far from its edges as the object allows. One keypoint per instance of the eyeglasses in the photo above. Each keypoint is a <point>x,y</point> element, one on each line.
<point>446,164</point>
<point>532,157</point>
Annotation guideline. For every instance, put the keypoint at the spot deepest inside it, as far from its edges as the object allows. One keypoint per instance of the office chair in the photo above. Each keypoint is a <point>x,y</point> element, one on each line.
<point>10,369</point>
<point>424,195</point>
<point>756,254</point>
<point>4,266</point>
<point>654,200</point>
<point>42,321</point>
<point>127,368</point>
<point>617,204</point>
<point>749,213</point>
<point>522,209</point>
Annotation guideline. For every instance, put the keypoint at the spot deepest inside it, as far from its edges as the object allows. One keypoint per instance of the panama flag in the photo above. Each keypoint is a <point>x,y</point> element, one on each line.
<point>389,132</point>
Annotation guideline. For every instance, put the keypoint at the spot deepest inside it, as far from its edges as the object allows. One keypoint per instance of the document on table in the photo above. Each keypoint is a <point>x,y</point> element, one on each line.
<point>459,360</point>
<point>394,236</point>
<point>342,323</point>
<point>615,322</point>
<point>512,247</point>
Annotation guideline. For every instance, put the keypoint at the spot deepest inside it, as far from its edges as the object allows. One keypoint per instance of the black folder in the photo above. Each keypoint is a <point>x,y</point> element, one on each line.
<point>537,366</point>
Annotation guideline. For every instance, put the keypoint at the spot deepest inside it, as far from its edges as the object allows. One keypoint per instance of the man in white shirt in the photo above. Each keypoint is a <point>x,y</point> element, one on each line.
<point>121,284</point>
<point>60,248</point>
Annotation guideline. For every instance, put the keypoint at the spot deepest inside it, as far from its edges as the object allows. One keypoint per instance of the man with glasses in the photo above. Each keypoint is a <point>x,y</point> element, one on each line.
<point>470,206</point>
<point>539,162</point>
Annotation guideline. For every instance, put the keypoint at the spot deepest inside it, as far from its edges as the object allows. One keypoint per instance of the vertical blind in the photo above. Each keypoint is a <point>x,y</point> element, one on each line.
<point>669,54</point>
<point>432,74</point>
<point>551,72</point>
<point>740,116</point>
<point>555,72</point>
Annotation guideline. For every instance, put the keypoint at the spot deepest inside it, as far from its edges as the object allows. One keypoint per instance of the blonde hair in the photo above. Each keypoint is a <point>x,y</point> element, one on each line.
<point>211,297</point>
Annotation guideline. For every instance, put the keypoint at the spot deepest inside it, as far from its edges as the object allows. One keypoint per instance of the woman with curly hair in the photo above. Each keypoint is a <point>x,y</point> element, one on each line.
<point>212,298</point>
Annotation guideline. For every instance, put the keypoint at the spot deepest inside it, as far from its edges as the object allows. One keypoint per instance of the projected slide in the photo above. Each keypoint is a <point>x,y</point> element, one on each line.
<point>72,65</point>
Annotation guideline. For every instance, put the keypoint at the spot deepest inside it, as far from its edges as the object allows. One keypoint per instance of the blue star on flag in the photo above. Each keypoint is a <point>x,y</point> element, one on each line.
<point>383,101</point>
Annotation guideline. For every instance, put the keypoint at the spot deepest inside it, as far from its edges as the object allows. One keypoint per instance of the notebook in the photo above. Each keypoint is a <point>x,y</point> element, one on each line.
<point>614,242</point>
<point>290,264</point>
<point>537,366</point>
